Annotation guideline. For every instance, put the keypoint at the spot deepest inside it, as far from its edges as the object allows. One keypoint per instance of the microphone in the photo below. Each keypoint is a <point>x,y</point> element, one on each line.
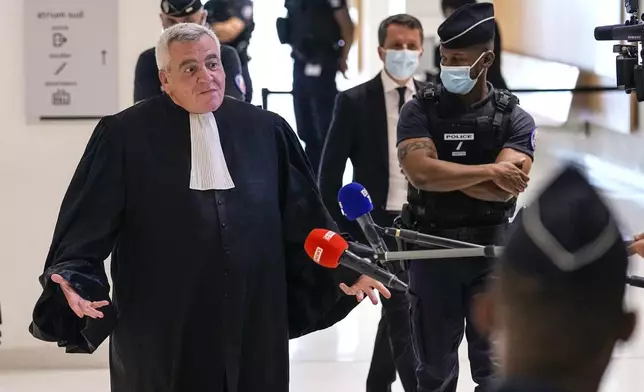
<point>329,249</point>
<point>356,205</point>
<point>619,32</point>
<point>635,281</point>
<point>427,240</point>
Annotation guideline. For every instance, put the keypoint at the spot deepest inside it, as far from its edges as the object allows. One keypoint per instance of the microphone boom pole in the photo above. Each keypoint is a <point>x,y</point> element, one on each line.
<point>483,251</point>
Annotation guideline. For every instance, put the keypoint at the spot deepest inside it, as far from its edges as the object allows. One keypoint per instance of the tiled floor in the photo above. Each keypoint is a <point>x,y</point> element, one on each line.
<point>338,358</point>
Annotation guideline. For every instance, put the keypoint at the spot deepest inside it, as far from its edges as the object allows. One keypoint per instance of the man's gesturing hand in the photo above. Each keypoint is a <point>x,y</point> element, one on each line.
<point>637,247</point>
<point>80,306</point>
<point>366,285</point>
<point>509,177</point>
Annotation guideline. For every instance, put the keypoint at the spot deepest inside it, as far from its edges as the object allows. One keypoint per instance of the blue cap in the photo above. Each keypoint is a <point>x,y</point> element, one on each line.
<point>354,201</point>
<point>568,238</point>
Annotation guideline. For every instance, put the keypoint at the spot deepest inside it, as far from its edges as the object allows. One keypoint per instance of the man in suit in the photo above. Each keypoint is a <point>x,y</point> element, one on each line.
<point>363,130</point>
<point>494,74</point>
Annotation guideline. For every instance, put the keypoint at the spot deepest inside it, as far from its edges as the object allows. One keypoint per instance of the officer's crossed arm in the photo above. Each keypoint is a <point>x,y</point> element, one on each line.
<point>498,190</point>
<point>347,29</point>
<point>425,171</point>
<point>419,160</point>
<point>228,30</point>
<point>517,149</point>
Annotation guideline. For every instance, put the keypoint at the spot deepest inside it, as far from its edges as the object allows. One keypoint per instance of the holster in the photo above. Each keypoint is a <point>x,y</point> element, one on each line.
<point>284,30</point>
<point>402,222</point>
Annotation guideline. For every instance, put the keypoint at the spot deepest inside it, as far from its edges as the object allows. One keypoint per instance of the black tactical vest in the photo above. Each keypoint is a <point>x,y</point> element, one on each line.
<point>470,139</point>
<point>313,30</point>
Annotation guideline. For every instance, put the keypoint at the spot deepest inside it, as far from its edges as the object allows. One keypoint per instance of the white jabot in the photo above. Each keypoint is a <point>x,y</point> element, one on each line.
<point>208,169</point>
<point>397,195</point>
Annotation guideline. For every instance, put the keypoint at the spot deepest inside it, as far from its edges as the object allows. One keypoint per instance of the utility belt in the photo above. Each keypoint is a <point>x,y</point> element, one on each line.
<point>317,53</point>
<point>483,231</point>
<point>425,222</point>
<point>309,44</point>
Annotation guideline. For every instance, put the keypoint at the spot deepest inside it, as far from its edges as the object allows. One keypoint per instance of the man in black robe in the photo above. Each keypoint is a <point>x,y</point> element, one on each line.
<point>204,203</point>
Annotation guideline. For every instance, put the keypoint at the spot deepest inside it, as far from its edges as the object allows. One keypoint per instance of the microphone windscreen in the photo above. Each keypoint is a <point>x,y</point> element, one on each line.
<point>235,86</point>
<point>325,247</point>
<point>354,201</point>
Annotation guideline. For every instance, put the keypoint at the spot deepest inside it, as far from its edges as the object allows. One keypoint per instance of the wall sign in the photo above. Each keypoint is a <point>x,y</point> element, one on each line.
<point>71,59</point>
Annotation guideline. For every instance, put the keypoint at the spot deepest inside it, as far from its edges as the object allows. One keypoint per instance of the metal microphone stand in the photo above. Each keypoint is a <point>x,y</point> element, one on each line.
<point>458,249</point>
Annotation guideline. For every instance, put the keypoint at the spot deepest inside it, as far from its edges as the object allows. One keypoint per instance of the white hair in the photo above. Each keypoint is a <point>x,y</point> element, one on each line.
<point>180,32</point>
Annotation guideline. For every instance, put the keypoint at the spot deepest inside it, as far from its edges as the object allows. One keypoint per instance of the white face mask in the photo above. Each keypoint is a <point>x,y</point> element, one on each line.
<point>402,64</point>
<point>457,80</point>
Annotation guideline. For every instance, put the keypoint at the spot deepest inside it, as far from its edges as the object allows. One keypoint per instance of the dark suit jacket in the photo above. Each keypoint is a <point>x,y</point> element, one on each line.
<point>358,132</point>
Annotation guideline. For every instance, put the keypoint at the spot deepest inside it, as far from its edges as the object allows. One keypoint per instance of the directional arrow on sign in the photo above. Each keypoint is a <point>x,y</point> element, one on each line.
<point>104,52</point>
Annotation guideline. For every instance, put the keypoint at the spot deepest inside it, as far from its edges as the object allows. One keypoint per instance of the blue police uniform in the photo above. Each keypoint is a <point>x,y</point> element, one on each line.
<point>441,290</point>
<point>568,246</point>
<point>221,11</point>
<point>315,38</point>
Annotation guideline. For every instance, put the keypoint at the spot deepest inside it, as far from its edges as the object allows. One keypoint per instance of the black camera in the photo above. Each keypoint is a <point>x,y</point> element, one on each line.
<point>630,74</point>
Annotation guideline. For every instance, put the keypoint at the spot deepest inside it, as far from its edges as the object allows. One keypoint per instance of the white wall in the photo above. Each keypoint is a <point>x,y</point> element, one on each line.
<point>36,163</point>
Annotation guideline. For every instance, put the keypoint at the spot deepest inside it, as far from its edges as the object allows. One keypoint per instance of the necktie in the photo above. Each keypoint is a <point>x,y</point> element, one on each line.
<point>401,97</point>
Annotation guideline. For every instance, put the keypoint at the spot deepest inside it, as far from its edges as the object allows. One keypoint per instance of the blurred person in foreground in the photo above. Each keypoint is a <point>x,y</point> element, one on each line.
<point>554,308</point>
<point>204,203</point>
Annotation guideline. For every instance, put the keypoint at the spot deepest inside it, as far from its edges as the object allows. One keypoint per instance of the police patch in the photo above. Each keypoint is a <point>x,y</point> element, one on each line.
<point>459,136</point>
<point>239,82</point>
<point>247,12</point>
<point>533,137</point>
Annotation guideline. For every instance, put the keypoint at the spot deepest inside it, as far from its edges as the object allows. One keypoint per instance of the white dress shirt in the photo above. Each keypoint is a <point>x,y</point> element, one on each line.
<point>397,195</point>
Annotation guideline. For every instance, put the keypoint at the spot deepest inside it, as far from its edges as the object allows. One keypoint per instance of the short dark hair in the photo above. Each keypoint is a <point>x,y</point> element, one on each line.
<point>455,4</point>
<point>577,318</point>
<point>400,19</point>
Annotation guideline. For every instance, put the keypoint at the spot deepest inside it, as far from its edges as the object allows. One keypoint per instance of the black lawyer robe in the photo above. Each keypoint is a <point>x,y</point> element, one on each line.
<point>207,285</point>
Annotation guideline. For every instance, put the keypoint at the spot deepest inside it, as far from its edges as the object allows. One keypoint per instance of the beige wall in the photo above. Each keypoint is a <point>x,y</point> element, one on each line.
<point>563,31</point>
<point>36,164</point>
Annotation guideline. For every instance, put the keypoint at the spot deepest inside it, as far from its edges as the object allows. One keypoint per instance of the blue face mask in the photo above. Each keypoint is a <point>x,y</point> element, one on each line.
<point>402,64</point>
<point>457,80</point>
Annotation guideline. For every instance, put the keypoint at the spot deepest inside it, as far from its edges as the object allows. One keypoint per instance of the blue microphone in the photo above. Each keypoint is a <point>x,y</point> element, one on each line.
<point>356,205</point>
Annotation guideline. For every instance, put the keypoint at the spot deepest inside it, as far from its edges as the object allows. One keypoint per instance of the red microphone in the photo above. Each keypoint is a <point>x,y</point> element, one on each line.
<point>325,247</point>
<point>329,249</point>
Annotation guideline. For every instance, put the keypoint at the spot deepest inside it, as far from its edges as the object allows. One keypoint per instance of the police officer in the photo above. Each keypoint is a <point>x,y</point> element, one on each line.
<point>320,33</point>
<point>146,76</point>
<point>494,74</point>
<point>232,21</point>
<point>555,308</point>
<point>466,149</point>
